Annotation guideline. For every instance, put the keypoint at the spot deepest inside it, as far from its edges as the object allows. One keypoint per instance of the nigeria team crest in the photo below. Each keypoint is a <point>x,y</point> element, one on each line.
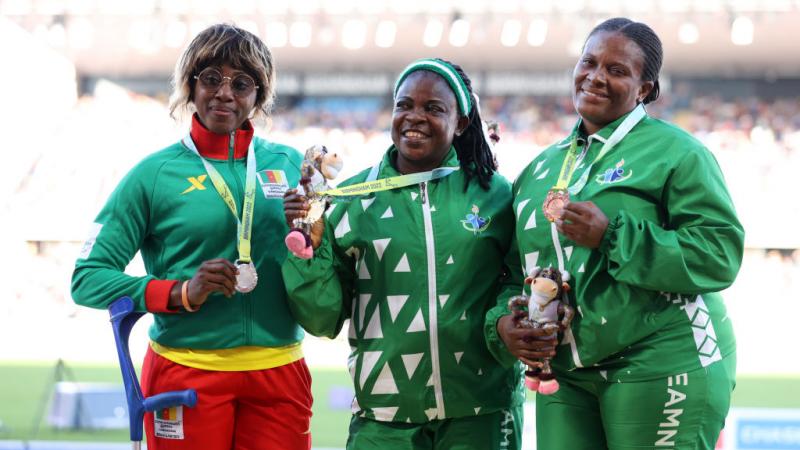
<point>614,174</point>
<point>474,222</point>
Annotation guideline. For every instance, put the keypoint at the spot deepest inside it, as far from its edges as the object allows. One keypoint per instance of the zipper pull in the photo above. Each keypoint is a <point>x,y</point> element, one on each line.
<point>232,145</point>
<point>423,189</point>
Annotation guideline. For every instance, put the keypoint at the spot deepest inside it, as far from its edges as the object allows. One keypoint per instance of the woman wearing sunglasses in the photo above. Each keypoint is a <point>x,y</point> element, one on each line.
<point>206,213</point>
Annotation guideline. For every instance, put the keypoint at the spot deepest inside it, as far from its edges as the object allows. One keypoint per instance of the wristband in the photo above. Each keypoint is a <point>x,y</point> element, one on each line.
<point>185,297</point>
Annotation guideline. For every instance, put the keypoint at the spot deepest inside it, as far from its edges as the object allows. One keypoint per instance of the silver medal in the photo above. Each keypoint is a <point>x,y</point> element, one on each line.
<point>247,278</point>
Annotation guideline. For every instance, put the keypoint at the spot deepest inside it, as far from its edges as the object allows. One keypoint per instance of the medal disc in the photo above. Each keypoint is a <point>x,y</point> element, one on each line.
<point>247,278</point>
<point>554,203</point>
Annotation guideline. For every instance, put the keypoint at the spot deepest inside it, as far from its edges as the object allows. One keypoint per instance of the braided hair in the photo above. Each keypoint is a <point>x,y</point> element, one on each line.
<point>472,147</point>
<point>647,40</point>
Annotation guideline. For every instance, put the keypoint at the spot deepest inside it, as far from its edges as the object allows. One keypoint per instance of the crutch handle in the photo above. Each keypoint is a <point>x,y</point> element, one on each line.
<point>123,317</point>
<point>187,397</point>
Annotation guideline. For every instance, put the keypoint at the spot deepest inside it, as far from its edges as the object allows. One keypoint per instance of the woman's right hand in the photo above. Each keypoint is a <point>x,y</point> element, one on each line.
<point>214,275</point>
<point>296,206</point>
<point>529,345</point>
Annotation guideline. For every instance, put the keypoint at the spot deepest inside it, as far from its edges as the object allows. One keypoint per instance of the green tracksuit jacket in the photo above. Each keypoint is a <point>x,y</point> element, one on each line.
<point>169,210</point>
<point>415,269</point>
<point>647,299</point>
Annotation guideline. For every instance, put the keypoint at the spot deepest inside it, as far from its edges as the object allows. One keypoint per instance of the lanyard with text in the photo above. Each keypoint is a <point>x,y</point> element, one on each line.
<point>385,184</point>
<point>245,224</point>
<point>559,195</point>
<point>568,168</point>
<point>624,128</point>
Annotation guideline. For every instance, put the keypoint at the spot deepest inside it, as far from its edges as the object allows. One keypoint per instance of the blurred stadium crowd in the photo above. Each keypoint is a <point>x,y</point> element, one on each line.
<point>64,182</point>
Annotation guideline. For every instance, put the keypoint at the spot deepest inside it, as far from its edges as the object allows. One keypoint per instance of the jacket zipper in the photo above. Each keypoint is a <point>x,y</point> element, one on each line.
<point>569,338</point>
<point>433,328</point>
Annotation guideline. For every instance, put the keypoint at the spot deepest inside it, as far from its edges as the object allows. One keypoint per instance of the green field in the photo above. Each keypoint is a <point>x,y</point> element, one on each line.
<point>24,386</point>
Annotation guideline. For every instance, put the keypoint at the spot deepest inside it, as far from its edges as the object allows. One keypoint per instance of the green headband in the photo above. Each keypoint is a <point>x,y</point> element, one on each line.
<point>448,73</point>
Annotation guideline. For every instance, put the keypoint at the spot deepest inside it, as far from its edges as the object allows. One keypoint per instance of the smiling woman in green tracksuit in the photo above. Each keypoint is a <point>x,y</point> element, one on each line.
<point>215,331</point>
<point>415,269</point>
<point>650,237</point>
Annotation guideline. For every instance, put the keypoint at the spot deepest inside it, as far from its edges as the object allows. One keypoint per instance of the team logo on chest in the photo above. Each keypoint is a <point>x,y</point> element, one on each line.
<point>614,174</point>
<point>195,183</point>
<point>474,222</point>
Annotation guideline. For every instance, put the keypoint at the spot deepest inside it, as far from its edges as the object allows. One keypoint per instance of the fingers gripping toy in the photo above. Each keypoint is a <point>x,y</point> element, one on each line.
<point>546,308</point>
<point>318,167</point>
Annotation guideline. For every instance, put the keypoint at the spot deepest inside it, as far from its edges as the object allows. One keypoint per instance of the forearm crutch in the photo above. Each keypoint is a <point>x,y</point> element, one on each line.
<point>123,317</point>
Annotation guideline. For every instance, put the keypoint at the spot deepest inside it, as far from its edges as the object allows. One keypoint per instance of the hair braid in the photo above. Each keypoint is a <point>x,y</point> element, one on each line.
<point>474,154</point>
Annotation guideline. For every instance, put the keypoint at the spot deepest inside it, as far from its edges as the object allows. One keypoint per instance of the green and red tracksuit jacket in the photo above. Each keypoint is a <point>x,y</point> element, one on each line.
<point>167,208</point>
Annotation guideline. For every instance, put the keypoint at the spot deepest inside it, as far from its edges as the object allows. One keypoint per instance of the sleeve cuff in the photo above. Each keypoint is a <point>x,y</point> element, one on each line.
<point>610,235</point>
<point>156,296</point>
<point>494,343</point>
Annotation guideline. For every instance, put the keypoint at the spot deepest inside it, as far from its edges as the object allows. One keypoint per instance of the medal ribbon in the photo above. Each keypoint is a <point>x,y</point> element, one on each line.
<point>385,184</point>
<point>624,128</point>
<point>568,167</point>
<point>245,224</point>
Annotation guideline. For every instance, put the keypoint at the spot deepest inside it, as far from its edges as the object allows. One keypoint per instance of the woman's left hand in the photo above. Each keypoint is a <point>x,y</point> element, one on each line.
<point>583,223</point>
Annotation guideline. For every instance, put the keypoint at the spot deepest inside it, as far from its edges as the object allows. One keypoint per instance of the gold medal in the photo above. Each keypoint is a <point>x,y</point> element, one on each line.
<point>554,203</point>
<point>247,278</point>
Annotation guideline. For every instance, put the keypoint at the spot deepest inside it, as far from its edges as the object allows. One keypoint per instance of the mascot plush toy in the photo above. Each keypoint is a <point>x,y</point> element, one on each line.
<point>546,308</point>
<point>319,166</point>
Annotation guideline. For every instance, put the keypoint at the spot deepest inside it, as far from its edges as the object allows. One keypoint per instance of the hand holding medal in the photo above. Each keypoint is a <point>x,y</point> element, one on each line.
<point>558,197</point>
<point>581,222</point>
<point>215,275</point>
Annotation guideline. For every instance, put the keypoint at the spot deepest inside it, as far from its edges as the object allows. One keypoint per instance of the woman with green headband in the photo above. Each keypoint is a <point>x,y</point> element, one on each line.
<point>415,262</point>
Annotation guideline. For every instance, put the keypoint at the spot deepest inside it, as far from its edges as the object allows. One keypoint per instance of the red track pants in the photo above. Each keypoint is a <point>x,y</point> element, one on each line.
<point>266,409</point>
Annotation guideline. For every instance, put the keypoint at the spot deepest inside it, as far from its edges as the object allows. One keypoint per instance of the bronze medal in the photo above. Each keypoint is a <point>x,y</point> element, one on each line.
<point>247,278</point>
<point>554,203</point>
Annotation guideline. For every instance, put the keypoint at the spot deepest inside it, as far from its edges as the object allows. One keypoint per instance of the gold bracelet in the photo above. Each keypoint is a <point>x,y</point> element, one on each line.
<point>185,297</point>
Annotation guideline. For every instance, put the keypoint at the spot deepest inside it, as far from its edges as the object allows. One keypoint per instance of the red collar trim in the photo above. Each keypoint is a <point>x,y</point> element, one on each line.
<point>216,146</point>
